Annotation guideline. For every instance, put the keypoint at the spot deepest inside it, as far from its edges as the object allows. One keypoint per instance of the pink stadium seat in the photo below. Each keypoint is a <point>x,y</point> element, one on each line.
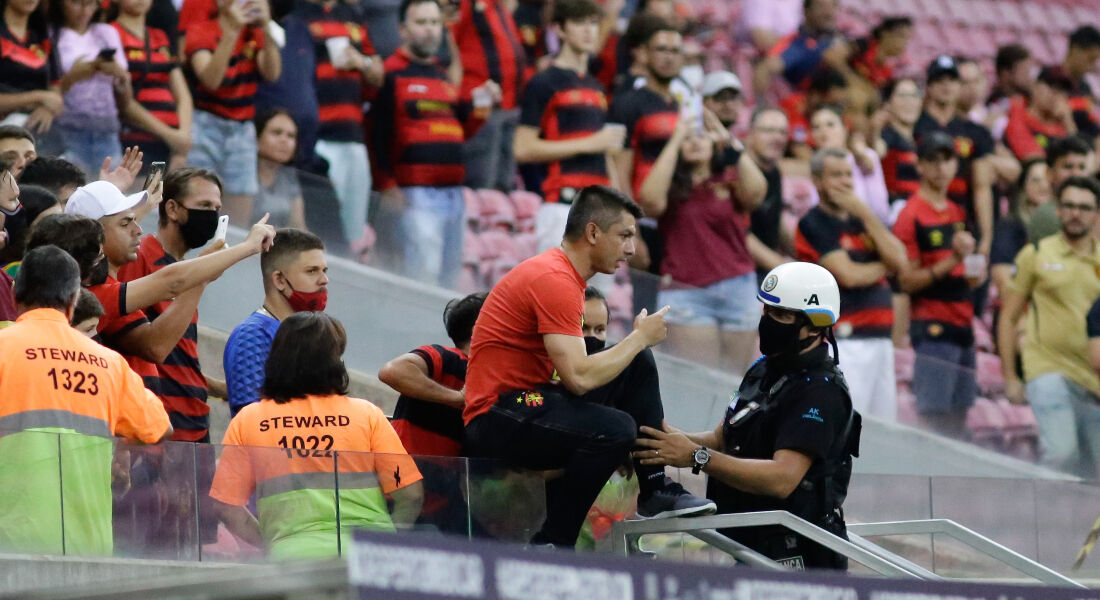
<point>1005,35</point>
<point>468,281</point>
<point>986,423</point>
<point>526,206</point>
<point>527,245</point>
<point>903,364</point>
<point>473,205</point>
<point>799,195</point>
<point>1011,15</point>
<point>1062,18</point>
<point>935,10</point>
<point>990,381</point>
<point>962,12</point>
<point>983,338</point>
<point>496,210</point>
<point>986,13</point>
<point>1035,14</point>
<point>496,244</point>
<point>472,248</point>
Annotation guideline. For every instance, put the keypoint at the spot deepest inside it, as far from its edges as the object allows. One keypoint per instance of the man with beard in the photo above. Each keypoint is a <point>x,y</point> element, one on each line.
<point>1056,281</point>
<point>419,130</point>
<point>188,219</point>
<point>124,326</point>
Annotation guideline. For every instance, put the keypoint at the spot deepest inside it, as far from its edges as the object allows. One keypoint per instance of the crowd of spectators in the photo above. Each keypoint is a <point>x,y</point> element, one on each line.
<point>956,215</point>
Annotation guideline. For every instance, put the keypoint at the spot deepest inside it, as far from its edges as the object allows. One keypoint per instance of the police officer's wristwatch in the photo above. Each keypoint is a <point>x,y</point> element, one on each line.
<point>701,458</point>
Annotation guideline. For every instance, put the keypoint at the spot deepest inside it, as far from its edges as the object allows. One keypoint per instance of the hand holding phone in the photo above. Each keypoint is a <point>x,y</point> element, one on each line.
<point>223,228</point>
<point>106,54</point>
<point>155,169</point>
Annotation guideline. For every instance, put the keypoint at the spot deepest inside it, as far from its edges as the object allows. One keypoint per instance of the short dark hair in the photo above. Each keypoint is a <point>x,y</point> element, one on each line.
<point>177,185</point>
<point>889,24</point>
<point>17,132</point>
<point>460,315</point>
<point>962,59</point>
<point>1059,148</point>
<point>289,243</point>
<point>891,85</point>
<point>1009,56</point>
<point>1088,184</point>
<point>593,293</point>
<point>574,10</point>
<point>305,358</point>
<point>80,236</point>
<point>87,307</point>
<point>641,28</point>
<point>48,278</point>
<point>35,200</point>
<point>1086,36</point>
<point>52,173</point>
<point>762,109</point>
<point>402,13</point>
<point>827,78</point>
<point>599,204</point>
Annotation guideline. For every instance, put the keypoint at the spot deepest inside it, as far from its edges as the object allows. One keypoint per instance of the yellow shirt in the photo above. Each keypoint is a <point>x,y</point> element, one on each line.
<point>1060,286</point>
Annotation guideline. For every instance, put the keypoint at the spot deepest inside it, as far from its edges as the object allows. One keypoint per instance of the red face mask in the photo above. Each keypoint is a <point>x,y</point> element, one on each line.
<point>307,301</point>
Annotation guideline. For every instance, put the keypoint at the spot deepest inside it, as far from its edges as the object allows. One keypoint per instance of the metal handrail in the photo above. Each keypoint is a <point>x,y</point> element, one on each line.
<point>969,537</point>
<point>705,528</point>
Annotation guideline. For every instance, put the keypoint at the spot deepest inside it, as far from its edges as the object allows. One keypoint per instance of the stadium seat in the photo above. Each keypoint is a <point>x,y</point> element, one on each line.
<point>468,280</point>
<point>1011,16</point>
<point>496,244</point>
<point>799,195</point>
<point>990,381</point>
<point>1034,14</point>
<point>526,244</point>
<point>496,210</point>
<point>1062,18</point>
<point>526,207</point>
<point>473,206</point>
<point>986,423</point>
<point>472,248</point>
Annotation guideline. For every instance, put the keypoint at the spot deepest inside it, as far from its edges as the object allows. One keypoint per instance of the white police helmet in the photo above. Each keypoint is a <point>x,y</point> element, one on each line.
<point>803,287</point>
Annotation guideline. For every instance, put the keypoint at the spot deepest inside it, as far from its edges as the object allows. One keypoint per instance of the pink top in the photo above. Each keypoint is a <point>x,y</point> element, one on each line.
<point>704,236</point>
<point>779,16</point>
<point>869,187</point>
<point>90,103</point>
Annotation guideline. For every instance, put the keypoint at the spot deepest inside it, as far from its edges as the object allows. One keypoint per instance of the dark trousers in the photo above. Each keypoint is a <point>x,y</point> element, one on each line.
<point>587,436</point>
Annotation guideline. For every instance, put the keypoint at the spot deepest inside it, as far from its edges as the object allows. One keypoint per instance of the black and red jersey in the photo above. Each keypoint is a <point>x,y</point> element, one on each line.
<point>564,105</point>
<point>429,428</point>
<point>490,48</point>
<point>899,165</point>
<point>151,61</point>
<point>339,91</point>
<point>1082,104</point>
<point>235,98</point>
<point>972,142</point>
<point>945,308</point>
<point>650,120</point>
<point>181,385</point>
<point>419,126</point>
<point>25,64</point>
<point>865,61</point>
<point>866,311</point>
<point>532,31</point>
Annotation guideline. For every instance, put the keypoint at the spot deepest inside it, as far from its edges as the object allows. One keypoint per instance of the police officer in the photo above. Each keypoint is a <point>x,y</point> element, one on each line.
<point>788,437</point>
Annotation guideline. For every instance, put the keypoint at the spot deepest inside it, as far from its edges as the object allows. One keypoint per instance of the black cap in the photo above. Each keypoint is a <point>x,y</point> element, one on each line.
<point>934,145</point>
<point>942,66</point>
<point>1056,78</point>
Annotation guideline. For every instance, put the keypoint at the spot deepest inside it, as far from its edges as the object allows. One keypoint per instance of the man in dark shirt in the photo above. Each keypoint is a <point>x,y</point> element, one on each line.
<point>1081,58</point>
<point>768,243</point>
<point>563,120</point>
<point>972,186</point>
<point>799,54</point>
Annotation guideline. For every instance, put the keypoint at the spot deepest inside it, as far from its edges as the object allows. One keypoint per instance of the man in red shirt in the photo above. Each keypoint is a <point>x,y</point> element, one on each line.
<point>490,50</point>
<point>933,230</point>
<point>1033,122</point>
<point>535,398</point>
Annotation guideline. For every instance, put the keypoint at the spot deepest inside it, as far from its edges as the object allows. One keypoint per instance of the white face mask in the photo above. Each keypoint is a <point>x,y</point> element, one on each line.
<point>693,75</point>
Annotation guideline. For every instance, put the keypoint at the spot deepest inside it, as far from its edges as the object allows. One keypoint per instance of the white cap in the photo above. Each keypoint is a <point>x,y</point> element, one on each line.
<point>102,199</point>
<point>803,287</point>
<point>720,80</point>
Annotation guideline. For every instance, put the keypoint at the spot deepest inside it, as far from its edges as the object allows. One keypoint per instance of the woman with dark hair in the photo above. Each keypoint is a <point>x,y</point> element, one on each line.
<point>1010,235</point>
<point>27,67</point>
<point>280,194</point>
<point>38,203</point>
<point>323,441</point>
<point>702,191</point>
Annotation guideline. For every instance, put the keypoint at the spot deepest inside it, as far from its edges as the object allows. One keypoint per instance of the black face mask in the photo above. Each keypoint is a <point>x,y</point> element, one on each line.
<point>98,273</point>
<point>780,340</point>
<point>593,344</point>
<point>199,228</point>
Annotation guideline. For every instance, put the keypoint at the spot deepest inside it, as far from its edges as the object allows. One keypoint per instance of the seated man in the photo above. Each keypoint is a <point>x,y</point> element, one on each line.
<point>536,399</point>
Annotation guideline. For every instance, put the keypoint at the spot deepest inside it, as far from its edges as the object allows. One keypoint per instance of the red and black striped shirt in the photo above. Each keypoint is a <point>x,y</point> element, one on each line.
<point>868,310</point>
<point>490,48</point>
<point>181,384</point>
<point>865,62</point>
<point>899,166</point>
<point>151,62</point>
<point>564,105</point>
<point>339,91</point>
<point>1082,104</point>
<point>24,63</point>
<point>429,428</point>
<point>419,126</point>
<point>235,98</point>
<point>945,308</point>
<point>1026,135</point>
<point>650,120</point>
<point>972,142</point>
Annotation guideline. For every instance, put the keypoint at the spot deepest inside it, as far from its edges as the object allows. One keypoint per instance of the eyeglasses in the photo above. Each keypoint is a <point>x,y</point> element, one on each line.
<point>1076,207</point>
<point>668,49</point>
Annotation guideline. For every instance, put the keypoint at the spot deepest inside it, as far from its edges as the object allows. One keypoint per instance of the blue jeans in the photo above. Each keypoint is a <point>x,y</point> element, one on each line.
<point>87,149</point>
<point>432,224</point>
<point>943,377</point>
<point>729,304</point>
<point>228,148</point>
<point>1069,423</point>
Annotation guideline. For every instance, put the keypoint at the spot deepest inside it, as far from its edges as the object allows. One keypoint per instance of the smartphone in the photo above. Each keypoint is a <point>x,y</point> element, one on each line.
<point>223,228</point>
<point>106,54</point>
<point>154,168</point>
